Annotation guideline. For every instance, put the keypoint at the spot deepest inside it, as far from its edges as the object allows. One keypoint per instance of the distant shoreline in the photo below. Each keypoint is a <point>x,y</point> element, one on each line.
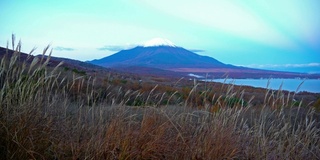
<point>289,84</point>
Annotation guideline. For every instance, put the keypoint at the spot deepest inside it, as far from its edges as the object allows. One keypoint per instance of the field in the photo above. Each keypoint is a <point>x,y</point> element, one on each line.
<point>51,111</point>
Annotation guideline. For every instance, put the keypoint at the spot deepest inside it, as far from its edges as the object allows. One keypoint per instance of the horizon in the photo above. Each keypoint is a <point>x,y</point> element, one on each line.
<point>275,35</point>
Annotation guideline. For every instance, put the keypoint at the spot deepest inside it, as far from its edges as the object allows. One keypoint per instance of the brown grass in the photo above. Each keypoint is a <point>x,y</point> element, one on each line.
<point>44,116</point>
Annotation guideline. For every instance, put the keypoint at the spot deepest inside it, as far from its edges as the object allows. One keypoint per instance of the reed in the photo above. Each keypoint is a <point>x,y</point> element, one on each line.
<point>46,116</point>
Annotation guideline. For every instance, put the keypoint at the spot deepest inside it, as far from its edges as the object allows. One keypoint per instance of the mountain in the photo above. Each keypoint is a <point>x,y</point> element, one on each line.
<point>162,54</point>
<point>159,53</point>
<point>163,57</point>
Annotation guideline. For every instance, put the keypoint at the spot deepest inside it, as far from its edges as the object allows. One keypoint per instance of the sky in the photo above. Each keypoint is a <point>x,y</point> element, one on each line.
<point>267,34</point>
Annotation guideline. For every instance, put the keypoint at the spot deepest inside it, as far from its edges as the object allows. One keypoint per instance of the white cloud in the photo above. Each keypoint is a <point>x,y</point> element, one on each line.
<point>59,48</point>
<point>197,50</point>
<point>115,48</point>
<point>282,65</point>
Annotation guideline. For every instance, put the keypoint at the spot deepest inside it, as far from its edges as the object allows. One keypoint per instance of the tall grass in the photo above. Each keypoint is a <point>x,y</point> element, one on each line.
<point>46,116</point>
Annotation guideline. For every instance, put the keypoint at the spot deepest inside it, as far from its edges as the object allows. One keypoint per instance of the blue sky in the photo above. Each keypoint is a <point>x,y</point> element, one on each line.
<point>273,34</point>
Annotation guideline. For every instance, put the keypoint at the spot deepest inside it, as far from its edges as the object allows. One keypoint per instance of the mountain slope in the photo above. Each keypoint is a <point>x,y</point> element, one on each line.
<point>164,57</point>
<point>68,64</point>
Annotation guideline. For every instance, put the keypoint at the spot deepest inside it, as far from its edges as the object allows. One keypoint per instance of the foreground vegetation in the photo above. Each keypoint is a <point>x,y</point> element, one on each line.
<point>44,115</point>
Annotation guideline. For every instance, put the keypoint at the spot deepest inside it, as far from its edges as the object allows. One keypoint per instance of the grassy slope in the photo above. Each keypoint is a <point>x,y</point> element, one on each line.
<point>44,115</point>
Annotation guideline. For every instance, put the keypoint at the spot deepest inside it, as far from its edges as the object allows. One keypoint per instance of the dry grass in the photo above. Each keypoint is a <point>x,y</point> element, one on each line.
<point>41,119</point>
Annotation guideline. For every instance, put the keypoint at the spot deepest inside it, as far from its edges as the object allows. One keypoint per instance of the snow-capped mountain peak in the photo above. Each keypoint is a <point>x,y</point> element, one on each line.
<point>158,42</point>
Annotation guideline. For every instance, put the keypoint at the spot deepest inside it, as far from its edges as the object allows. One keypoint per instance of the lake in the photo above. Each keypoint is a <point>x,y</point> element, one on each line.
<point>309,85</point>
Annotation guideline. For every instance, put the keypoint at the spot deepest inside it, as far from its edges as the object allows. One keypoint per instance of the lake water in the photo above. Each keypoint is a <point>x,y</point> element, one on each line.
<point>309,85</point>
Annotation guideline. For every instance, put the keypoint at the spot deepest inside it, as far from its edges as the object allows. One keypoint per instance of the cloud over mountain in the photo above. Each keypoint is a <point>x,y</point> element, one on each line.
<point>115,48</point>
<point>60,48</point>
<point>197,50</point>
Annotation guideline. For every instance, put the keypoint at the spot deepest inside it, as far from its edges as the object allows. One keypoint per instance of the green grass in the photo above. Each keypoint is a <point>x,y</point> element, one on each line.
<point>46,116</point>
